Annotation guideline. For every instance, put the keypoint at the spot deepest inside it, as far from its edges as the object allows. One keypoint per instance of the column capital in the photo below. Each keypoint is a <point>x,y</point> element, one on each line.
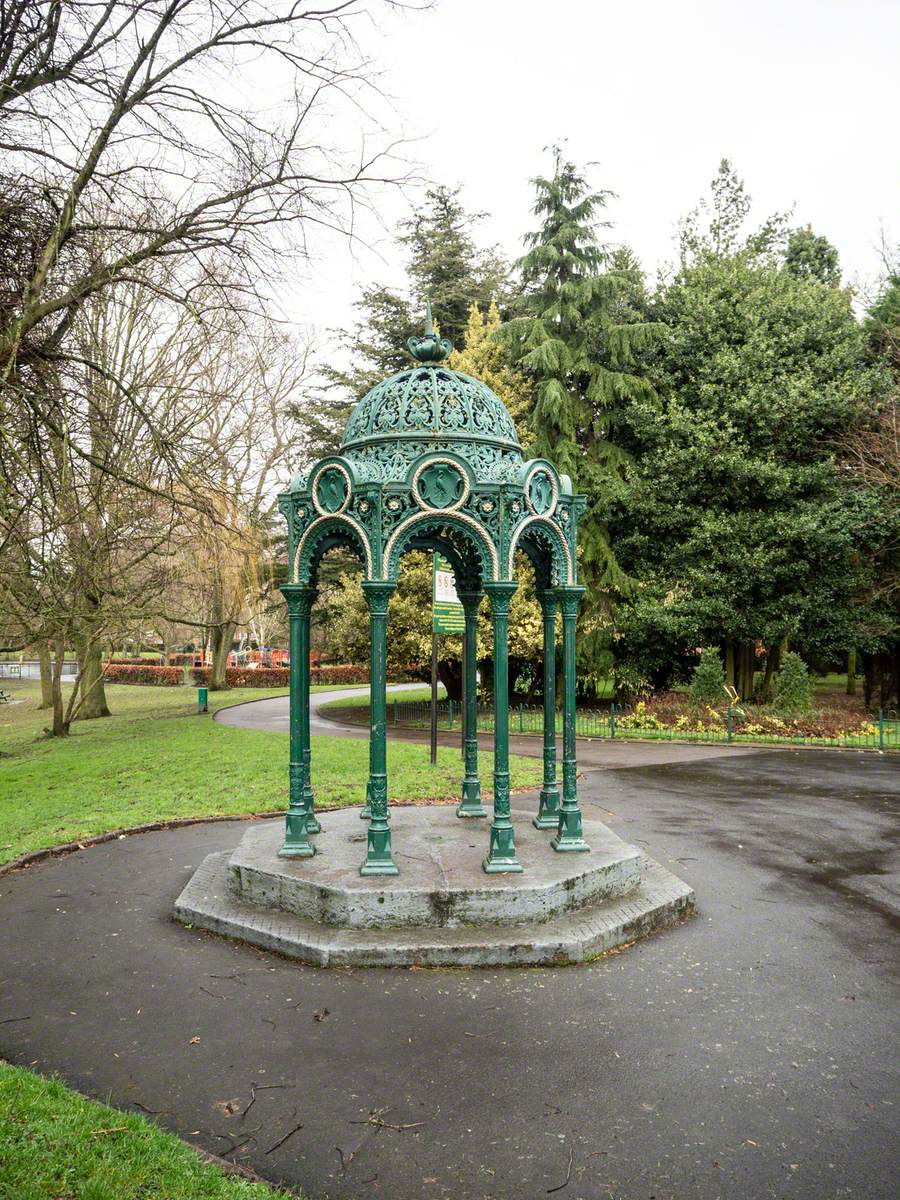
<point>500,594</point>
<point>548,599</point>
<point>377,593</point>
<point>300,597</point>
<point>470,600</point>
<point>570,597</point>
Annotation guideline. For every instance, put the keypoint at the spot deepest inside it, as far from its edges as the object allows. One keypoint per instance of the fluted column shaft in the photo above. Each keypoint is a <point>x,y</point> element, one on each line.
<point>471,805</point>
<point>378,859</point>
<point>570,835</point>
<point>299,821</point>
<point>501,854</point>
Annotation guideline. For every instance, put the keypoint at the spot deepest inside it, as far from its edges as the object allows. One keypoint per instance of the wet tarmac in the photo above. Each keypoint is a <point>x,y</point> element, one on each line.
<point>749,1053</point>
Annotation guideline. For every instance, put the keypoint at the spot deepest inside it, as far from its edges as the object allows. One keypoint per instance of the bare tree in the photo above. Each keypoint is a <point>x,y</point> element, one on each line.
<point>225,125</point>
<point>248,436</point>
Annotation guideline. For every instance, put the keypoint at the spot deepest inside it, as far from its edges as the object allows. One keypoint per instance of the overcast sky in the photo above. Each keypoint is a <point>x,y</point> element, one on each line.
<point>802,95</point>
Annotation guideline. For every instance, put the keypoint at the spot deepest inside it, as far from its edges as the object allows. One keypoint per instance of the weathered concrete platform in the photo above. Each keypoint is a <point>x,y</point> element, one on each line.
<point>442,910</point>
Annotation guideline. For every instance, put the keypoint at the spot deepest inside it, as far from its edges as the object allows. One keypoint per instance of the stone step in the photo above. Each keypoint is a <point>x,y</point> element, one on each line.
<point>441,881</point>
<point>658,899</point>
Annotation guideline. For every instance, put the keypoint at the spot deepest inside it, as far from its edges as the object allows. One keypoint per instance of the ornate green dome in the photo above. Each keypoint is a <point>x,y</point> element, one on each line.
<point>429,407</point>
<point>430,401</point>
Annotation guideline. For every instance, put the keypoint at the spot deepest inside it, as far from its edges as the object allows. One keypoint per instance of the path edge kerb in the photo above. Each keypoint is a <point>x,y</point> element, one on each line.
<point>33,857</point>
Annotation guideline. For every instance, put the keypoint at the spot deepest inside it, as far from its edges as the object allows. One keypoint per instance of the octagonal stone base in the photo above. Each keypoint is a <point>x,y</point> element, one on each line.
<point>442,909</point>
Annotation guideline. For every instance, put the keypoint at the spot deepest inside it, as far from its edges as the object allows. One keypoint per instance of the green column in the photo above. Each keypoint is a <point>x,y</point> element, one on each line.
<point>471,805</point>
<point>501,855</point>
<point>569,834</point>
<point>378,849</point>
<point>297,822</point>
<point>548,810</point>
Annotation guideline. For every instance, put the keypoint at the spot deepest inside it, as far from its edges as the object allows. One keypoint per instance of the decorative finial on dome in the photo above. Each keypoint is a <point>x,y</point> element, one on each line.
<point>428,349</point>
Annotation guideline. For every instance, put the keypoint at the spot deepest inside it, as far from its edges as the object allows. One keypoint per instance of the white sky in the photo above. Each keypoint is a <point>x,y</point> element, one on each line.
<point>801,94</point>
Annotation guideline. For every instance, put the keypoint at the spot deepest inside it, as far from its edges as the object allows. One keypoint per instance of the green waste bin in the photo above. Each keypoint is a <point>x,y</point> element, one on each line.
<point>202,700</point>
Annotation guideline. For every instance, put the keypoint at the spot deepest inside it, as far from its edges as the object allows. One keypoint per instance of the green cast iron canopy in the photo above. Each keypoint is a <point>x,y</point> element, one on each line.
<point>429,403</point>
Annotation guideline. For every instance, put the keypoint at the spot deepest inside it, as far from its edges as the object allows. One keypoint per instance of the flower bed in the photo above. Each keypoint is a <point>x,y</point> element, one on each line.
<point>130,673</point>
<point>839,717</point>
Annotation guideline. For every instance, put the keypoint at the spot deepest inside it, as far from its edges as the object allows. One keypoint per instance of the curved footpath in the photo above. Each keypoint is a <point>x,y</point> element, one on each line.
<point>750,1053</point>
<point>272,715</point>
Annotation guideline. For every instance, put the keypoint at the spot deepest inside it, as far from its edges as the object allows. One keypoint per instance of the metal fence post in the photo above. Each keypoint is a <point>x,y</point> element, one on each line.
<point>612,718</point>
<point>521,718</point>
<point>729,724</point>
<point>881,729</point>
<point>394,703</point>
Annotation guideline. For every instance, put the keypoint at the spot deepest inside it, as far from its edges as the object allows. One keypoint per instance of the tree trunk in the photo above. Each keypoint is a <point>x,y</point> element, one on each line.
<point>450,675</point>
<point>222,637</point>
<point>60,724</point>
<point>729,662</point>
<point>851,672</point>
<point>765,690</point>
<point>869,678</point>
<point>745,670</point>
<point>46,663</point>
<point>93,692</point>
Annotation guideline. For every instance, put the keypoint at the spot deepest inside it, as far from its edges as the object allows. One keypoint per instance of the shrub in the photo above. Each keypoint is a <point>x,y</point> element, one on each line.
<point>347,673</point>
<point>129,662</point>
<point>708,680</point>
<point>129,673</point>
<point>793,689</point>
<point>280,676</point>
<point>630,684</point>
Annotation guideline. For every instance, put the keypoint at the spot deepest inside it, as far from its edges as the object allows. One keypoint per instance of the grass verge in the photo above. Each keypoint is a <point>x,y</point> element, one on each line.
<point>155,759</point>
<point>58,1145</point>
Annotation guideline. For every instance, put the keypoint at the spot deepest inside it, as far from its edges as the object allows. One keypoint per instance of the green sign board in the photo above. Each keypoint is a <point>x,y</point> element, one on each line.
<point>448,614</point>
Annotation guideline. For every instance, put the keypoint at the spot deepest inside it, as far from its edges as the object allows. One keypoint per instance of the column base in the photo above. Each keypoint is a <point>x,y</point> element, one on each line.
<point>366,810</point>
<point>296,841</point>
<point>501,866</point>
<point>312,822</point>
<point>546,821</point>
<point>501,856</point>
<point>470,805</point>
<point>306,851</point>
<point>548,811</point>
<point>380,868</point>
<point>378,854</point>
<point>570,836</point>
<point>470,808</point>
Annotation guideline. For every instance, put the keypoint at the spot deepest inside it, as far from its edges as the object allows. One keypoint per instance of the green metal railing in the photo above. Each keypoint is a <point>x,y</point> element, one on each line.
<point>616,723</point>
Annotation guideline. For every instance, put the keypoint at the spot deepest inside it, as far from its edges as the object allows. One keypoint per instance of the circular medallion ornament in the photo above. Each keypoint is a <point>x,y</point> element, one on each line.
<point>331,490</point>
<point>440,485</point>
<point>541,492</point>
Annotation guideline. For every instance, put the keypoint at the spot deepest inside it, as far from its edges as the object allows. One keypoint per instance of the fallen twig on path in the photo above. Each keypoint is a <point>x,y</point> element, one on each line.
<point>281,1141</point>
<point>559,1187</point>
<point>262,1087</point>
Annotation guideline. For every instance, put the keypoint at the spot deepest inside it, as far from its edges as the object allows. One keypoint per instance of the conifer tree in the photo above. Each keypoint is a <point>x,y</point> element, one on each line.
<point>580,342</point>
<point>487,358</point>
<point>446,267</point>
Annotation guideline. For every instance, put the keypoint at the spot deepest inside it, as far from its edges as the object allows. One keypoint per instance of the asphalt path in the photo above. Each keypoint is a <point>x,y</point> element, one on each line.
<point>272,715</point>
<point>750,1052</point>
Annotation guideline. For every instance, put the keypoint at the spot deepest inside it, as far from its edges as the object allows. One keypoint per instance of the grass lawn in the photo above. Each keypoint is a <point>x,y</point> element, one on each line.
<point>57,1145</point>
<point>156,759</point>
<point>361,699</point>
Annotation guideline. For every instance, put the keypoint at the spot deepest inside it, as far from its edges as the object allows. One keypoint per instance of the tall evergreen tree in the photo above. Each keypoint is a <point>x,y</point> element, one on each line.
<point>580,341</point>
<point>736,517</point>
<point>809,256</point>
<point>444,265</point>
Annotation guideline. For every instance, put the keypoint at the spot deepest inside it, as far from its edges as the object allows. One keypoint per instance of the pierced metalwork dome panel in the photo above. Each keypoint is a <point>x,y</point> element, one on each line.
<point>429,402</point>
